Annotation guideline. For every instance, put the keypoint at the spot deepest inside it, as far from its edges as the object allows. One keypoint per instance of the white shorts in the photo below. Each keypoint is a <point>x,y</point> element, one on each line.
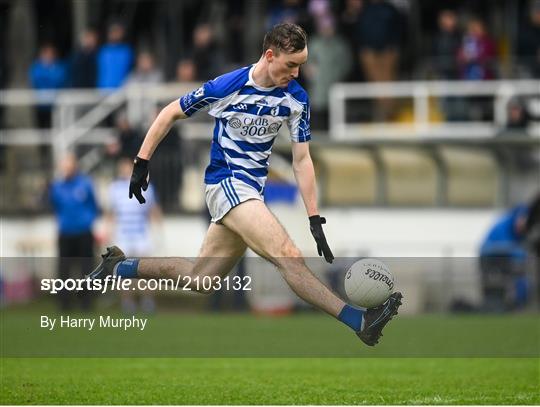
<point>230,192</point>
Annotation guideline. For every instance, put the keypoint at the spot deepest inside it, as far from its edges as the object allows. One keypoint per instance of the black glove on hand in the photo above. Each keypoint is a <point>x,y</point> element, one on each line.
<point>139,179</point>
<point>315,225</point>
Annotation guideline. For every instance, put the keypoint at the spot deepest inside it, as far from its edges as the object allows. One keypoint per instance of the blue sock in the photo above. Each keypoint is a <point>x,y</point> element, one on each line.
<point>127,268</point>
<point>351,317</point>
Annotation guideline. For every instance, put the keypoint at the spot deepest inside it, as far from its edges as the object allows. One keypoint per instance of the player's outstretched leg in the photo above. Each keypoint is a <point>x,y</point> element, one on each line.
<point>220,251</point>
<point>263,233</point>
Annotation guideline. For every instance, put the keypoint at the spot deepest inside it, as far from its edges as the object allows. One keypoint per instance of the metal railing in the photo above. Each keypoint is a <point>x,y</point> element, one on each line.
<point>77,112</point>
<point>421,93</point>
<point>78,115</point>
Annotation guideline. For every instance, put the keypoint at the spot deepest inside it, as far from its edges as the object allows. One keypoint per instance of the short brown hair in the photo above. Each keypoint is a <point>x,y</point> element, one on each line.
<point>286,37</point>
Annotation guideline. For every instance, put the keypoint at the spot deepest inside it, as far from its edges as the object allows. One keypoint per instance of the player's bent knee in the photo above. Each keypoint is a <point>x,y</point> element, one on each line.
<point>290,251</point>
<point>291,263</point>
<point>290,257</point>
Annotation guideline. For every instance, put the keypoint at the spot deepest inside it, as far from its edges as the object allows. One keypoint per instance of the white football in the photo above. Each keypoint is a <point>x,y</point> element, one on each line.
<point>368,283</point>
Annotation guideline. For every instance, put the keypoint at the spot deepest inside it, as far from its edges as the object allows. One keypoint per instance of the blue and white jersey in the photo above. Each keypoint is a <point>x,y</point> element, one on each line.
<point>247,120</point>
<point>132,219</point>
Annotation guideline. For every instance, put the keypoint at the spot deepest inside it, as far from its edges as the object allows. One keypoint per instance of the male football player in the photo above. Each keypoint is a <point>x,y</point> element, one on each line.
<point>249,106</point>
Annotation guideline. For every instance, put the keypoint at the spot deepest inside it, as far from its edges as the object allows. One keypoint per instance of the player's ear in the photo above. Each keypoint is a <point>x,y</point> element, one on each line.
<point>269,55</point>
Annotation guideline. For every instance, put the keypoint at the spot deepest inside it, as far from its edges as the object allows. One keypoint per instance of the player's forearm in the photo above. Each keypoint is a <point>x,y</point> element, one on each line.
<point>159,128</point>
<point>305,178</point>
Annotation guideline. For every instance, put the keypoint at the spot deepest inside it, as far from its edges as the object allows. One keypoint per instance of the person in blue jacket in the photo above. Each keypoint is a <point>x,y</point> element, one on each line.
<point>47,73</point>
<point>115,59</point>
<point>75,206</point>
<point>503,259</point>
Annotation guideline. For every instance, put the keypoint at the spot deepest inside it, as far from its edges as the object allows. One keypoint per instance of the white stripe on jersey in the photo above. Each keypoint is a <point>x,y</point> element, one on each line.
<point>195,107</point>
<point>242,162</point>
<point>259,180</point>
<point>254,155</point>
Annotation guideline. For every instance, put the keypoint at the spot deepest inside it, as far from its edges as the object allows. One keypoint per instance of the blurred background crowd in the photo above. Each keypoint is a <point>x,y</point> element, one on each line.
<point>113,43</point>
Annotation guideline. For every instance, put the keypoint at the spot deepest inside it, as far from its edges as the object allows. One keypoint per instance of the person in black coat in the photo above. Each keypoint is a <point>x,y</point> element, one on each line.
<point>83,62</point>
<point>529,41</point>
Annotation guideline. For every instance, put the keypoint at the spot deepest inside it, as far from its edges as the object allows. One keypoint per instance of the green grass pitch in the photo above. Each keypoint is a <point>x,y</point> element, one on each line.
<point>392,373</point>
<point>270,381</point>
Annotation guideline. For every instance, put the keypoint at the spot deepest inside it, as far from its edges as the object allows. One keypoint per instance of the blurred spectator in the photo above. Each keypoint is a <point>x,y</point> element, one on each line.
<point>235,32</point>
<point>145,70</point>
<point>529,41</point>
<point>3,76</point>
<point>477,52</point>
<point>186,71</point>
<point>445,52</point>
<point>348,22</point>
<point>74,204</point>
<point>166,170</point>
<point>507,234</point>
<point>325,48</point>
<point>518,117</point>
<point>288,11</point>
<point>145,73</point>
<point>206,54</point>
<point>47,73</point>
<point>115,59</point>
<point>84,61</point>
<point>503,258</point>
<point>378,35</point>
<point>129,138</point>
<point>477,59</point>
<point>532,228</point>
<point>517,122</point>
<point>349,18</point>
<point>446,46</point>
<point>318,9</point>
<point>128,225</point>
